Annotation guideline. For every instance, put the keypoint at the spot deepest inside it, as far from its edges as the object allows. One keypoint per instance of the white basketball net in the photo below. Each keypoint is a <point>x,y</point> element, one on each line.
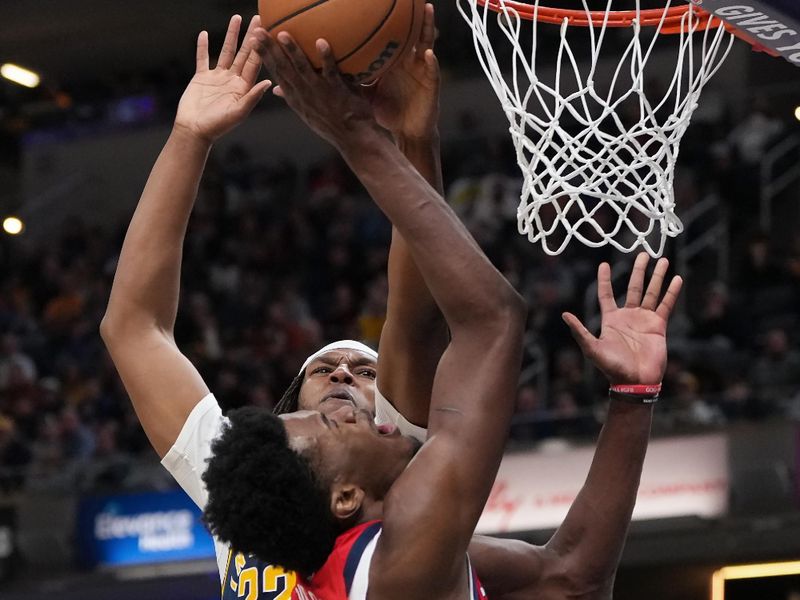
<point>588,171</point>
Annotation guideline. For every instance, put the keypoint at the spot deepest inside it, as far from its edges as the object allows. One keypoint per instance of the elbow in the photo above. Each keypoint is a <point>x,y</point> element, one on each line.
<point>115,328</point>
<point>497,313</point>
<point>118,332</point>
<point>501,320</point>
<point>517,306</point>
<point>108,329</point>
<point>592,589</point>
<point>512,311</point>
<point>589,579</point>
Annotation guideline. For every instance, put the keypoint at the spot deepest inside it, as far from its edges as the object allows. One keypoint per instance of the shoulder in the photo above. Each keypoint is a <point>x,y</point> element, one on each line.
<point>201,427</point>
<point>186,459</point>
<point>345,574</point>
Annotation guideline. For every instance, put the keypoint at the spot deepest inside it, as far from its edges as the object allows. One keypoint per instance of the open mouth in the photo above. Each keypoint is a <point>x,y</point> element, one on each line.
<point>386,429</point>
<point>339,395</point>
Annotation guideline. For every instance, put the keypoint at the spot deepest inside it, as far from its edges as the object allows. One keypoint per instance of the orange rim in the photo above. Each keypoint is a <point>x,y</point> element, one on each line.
<point>672,21</point>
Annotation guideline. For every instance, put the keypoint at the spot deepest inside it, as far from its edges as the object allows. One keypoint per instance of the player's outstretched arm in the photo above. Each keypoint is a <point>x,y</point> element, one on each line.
<point>631,349</point>
<point>406,103</point>
<point>138,325</point>
<point>582,557</point>
<point>432,509</point>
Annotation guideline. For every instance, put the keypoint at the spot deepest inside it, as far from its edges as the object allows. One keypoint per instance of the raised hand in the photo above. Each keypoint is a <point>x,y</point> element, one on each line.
<point>406,99</point>
<point>218,99</point>
<point>632,347</point>
<point>322,99</point>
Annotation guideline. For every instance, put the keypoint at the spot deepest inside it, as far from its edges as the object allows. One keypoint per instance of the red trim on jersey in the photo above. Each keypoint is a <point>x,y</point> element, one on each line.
<point>329,583</point>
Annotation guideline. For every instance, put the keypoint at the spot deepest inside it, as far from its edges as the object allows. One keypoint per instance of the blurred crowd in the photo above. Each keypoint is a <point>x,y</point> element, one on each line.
<point>279,261</point>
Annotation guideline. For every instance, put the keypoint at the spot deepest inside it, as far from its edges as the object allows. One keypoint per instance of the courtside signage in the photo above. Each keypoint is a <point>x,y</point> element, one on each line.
<point>141,528</point>
<point>686,476</point>
<point>775,25</point>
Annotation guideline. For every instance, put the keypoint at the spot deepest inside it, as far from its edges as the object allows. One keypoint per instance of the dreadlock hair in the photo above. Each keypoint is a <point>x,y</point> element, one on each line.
<point>290,401</point>
<point>264,498</point>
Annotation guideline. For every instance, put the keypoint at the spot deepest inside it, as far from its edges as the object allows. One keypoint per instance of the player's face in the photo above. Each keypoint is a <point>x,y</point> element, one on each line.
<point>339,378</point>
<point>347,446</point>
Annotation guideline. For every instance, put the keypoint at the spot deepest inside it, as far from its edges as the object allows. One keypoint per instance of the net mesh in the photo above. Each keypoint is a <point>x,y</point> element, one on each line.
<point>597,157</point>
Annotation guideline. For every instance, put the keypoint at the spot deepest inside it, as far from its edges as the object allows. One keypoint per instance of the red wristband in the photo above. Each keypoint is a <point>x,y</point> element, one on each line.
<point>637,389</point>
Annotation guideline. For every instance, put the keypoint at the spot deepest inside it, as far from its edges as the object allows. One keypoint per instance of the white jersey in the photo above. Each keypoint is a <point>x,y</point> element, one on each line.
<point>187,458</point>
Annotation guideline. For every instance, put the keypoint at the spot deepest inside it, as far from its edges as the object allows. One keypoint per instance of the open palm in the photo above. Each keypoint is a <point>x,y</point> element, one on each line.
<point>216,100</point>
<point>632,346</point>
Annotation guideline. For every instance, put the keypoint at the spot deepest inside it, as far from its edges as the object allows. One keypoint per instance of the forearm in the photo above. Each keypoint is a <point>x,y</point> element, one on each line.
<point>592,536</point>
<point>582,557</point>
<point>425,155</point>
<point>414,307</point>
<point>461,279</point>
<point>415,333</point>
<point>146,285</point>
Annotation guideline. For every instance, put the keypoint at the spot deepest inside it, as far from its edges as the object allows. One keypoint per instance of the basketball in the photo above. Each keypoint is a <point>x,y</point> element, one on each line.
<point>367,38</point>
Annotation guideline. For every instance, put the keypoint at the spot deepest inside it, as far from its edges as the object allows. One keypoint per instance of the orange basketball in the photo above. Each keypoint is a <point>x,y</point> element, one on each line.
<point>367,38</point>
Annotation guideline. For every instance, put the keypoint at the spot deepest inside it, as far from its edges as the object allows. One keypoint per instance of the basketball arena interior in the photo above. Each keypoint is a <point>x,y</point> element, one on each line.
<point>285,252</point>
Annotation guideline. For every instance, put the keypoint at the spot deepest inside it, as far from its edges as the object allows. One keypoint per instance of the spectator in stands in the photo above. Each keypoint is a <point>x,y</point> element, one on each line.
<point>738,401</point>
<point>760,270</point>
<point>776,373</point>
<point>754,133</point>
<point>792,267</point>
<point>15,454</point>
<point>66,306</point>
<point>48,462</point>
<point>717,322</point>
<point>373,312</point>
<point>16,367</point>
<point>77,440</point>
<point>570,378</point>
<point>265,228</point>
<point>688,407</point>
<point>750,138</point>
<point>569,418</point>
<point>532,421</point>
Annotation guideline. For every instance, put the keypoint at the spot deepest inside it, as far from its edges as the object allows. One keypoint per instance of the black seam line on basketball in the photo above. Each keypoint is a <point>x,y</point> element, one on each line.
<point>394,58</point>
<point>295,13</point>
<point>371,35</point>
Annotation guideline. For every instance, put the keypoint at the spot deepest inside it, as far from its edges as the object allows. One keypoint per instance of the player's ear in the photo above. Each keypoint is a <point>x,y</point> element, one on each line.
<point>346,501</point>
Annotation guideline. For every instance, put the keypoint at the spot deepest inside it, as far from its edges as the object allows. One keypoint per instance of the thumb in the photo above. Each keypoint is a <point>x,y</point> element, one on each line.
<point>251,98</point>
<point>582,335</point>
<point>431,66</point>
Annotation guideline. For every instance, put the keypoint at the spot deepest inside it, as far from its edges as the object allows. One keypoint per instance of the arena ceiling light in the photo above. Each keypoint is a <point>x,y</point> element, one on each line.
<point>13,225</point>
<point>754,571</point>
<point>20,75</point>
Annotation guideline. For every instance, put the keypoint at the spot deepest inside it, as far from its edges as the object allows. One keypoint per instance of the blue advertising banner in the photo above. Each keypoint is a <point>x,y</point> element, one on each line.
<point>141,528</point>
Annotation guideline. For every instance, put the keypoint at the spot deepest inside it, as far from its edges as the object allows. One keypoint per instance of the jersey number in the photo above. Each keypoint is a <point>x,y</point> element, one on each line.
<point>276,584</point>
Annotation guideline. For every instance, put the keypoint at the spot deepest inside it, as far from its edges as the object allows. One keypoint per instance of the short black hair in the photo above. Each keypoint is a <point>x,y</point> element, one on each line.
<point>264,498</point>
<point>290,401</point>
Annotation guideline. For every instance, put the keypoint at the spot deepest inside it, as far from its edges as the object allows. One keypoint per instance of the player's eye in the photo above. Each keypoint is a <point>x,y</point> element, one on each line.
<point>371,373</point>
<point>322,370</point>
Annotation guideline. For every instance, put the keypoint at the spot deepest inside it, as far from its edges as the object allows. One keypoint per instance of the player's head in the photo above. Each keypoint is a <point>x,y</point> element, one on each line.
<point>339,374</point>
<point>283,488</point>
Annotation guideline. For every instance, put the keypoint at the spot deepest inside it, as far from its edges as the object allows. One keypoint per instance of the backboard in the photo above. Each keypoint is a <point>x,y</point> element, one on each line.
<point>773,24</point>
